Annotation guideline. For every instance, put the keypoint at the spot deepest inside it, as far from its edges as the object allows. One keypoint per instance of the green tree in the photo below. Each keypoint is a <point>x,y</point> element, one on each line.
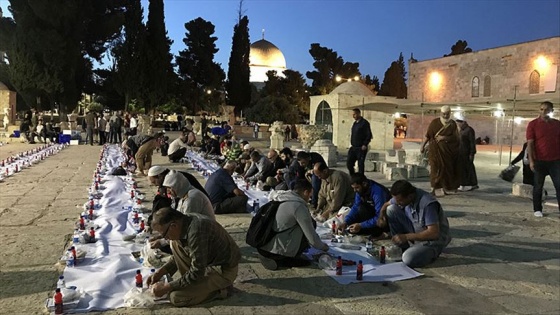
<point>129,53</point>
<point>54,45</point>
<point>238,85</point>
<point>200,74</point>
<point>394,82</point>
<point>328,65</point>
<point>272,108</point>
<point>158,63</point>
<point>292,88</point>
<point>460,47</point>
<point>372,83</point>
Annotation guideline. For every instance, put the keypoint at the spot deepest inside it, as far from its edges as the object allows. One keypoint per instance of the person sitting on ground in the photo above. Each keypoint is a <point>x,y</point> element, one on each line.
<point>295,230</point>
<point>191,136</point>
<point>191,200</point>
<point>205,255</point>
<point>157,174</point>
<point>335,191</point>
<point>287,177</point>
<point>225,196</point>
<point>307,160</point>
<point>368,201</point>
<point>417,224</point>
<point>177,149</point>
<point>213,146</point>
<point>277,162</point>
<point>260,168</point>
<point>234,152</point>
<point>245,157</point>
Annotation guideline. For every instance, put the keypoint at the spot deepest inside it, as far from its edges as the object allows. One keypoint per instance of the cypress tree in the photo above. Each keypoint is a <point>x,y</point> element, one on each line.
<point>238,86</point>
<point>158,63</point>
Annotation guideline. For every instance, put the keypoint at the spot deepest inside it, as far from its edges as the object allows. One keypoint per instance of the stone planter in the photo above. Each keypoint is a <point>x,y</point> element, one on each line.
<point>309,134</point>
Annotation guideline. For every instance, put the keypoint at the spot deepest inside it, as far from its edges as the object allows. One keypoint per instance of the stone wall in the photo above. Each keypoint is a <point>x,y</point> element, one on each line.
<point>506,67</point>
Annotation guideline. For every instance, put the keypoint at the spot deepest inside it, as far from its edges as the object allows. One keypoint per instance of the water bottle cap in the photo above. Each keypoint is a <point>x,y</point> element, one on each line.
<point>61,277</point>
<point>152,270</point>
<point>138,271</point>
<point>359,262</point>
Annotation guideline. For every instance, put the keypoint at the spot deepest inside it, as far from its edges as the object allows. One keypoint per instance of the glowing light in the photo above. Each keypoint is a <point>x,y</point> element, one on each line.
<point>458,115</point>
<point>498,113</point>
<point>357,78</point>
<point>208,92</point>
<point>397,115</point>
<point>435,80</point>
<point>518,120</point>
<point>338,78</point>
<point>542,64</point>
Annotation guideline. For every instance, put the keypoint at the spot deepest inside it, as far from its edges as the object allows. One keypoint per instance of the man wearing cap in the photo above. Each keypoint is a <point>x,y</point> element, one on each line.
<point>442,142</point>
<point>191,200</point>
<point>467,151</point>
<point>224,194</point>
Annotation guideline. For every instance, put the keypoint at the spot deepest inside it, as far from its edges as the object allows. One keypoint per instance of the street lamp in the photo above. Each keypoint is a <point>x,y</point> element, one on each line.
<point>339,78</point>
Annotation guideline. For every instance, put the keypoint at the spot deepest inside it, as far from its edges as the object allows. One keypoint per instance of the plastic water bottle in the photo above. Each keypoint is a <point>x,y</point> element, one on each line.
<point>76,237</point>
<point>70,259</point>
<point>61,283</point>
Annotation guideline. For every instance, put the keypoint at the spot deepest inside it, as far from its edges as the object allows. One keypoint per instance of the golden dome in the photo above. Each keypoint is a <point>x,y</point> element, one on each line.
<point>265,54</point>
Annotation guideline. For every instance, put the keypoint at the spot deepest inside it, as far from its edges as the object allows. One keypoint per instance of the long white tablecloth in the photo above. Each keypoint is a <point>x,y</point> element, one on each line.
<point>108,270</point>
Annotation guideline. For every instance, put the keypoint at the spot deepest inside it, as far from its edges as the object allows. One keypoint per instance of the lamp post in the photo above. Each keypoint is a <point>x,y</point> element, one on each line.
<point>339,78</point>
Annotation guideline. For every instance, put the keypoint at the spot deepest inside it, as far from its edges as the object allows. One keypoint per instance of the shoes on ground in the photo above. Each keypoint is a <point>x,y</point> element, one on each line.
<point>438,192</point>
<point>268,263</point>
<point>538,214</point>
<point>465,188</point>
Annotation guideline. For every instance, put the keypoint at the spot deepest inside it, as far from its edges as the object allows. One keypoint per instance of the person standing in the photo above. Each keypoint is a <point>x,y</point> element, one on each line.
<point>443,150</point>
<point>90,125</point>
<point>256,130</point>
<point>102,125</point>
<point>543,145</point>
<point>359,141</point>
<point>467,151</point>
<point>133,125</point>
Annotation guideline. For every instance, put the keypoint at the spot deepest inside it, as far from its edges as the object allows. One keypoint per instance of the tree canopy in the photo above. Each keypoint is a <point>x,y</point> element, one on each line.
<point>394,82</point>
<point>328,65</point>
<point>460,47</point>
<point>238,85</point>
<point>196,64</point>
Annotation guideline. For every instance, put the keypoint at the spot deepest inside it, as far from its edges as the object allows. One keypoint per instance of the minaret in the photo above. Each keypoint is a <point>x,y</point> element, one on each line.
<point>263,33</point>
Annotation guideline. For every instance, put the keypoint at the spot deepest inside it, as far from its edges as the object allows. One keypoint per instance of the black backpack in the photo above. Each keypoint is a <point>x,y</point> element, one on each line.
<point>261,229</point>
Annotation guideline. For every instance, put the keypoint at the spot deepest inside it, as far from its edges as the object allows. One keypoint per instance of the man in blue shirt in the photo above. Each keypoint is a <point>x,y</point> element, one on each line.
<point>417,223</point>
<point>224,194</point>
<point>368,202</point>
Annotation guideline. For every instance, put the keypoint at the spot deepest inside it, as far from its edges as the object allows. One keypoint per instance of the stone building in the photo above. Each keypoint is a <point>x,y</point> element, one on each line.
<point>335,111</point>
<point>497,89</point>
<point>7,105</point>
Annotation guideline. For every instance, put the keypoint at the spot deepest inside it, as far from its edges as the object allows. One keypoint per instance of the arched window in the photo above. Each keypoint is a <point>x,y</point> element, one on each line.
<point>475,85</point>
<point>323,116</point>
<point>487,86</point>
<point>534,82</point>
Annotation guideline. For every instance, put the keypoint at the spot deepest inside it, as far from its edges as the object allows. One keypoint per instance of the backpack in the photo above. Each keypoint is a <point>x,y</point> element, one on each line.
<point>261,229</point>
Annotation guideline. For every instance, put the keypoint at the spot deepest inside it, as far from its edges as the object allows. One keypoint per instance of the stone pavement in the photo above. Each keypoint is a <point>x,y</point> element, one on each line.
<point>502,260</point>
